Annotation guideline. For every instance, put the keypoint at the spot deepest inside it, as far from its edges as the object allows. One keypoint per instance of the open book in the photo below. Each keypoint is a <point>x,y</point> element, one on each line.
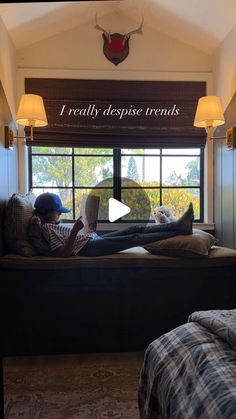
<point>89,211</point>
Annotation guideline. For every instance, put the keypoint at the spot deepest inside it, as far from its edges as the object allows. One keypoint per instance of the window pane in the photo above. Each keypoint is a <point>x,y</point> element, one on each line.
<point>52,171</point>
<point>154,197</point>
<point>144,170</point>
<point>179,199</point>
<point>104,195</point>
<point>138,203</point>
<point>181,171</point>
<point>140,151</point>
<point>51,150</point>
<point>89,171</point>
<point>65,195</point>
<point>182,151</point>
<point>93,150</point>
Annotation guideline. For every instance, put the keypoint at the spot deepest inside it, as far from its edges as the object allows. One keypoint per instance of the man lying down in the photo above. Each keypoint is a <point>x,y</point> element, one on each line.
<point>51,238</point>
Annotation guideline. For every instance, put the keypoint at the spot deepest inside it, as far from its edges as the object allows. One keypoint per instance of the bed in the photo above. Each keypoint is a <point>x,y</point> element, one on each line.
<point>190,372</point>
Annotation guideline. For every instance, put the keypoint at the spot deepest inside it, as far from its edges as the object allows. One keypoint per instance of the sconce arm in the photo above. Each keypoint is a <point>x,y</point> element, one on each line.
<point>230,137</point>
<point>10,137</point>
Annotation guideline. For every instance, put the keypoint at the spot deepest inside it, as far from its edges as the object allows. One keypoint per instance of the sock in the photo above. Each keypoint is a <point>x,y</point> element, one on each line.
<point>185,222</point>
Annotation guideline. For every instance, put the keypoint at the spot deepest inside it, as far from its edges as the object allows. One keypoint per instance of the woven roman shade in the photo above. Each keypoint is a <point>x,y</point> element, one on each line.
<point>118,113</point>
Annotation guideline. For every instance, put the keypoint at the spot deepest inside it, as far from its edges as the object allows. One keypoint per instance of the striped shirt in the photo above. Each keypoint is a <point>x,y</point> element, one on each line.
<point>47,237</point>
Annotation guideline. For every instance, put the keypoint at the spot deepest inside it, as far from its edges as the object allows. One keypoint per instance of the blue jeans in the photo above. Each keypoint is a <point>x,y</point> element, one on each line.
<point>116,241</point>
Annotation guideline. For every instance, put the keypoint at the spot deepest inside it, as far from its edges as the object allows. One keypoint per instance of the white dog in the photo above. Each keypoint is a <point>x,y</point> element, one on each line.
<point>163,214</point>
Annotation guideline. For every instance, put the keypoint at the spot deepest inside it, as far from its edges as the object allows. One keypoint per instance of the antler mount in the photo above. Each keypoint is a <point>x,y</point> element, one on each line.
<point>116,45</point>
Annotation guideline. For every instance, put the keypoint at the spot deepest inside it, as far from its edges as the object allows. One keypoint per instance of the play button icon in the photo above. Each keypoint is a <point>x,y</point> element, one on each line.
<point>137,201</point>
<point>116,210</point>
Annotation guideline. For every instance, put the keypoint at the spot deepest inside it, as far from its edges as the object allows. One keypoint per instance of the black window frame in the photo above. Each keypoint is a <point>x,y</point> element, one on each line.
<point>117,155</point>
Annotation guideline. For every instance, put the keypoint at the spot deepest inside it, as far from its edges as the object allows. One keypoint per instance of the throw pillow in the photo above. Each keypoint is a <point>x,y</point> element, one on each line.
<point>190,246</point>
<point>19,210</point>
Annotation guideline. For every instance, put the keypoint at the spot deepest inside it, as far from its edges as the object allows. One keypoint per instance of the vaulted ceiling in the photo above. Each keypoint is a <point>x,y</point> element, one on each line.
<point>202,24</point>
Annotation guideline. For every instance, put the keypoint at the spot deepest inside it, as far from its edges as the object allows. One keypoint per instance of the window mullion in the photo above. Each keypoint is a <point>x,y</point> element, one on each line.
<point>202,184</point>
<point>30,162</point>
<point>117,173</point>
<point>73,180</point>
<point>160,176</point>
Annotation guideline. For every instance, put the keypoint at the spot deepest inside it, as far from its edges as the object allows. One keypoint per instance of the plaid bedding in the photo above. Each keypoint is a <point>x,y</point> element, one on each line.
<point>220,322</point>
<point>190,373</point>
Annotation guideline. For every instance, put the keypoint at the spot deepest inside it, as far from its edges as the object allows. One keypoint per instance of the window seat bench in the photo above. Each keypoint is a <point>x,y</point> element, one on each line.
<point>111,303</point>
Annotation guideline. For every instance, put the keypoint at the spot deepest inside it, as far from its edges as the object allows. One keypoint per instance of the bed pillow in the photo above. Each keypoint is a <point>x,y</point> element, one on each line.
<point>191,246</point>
<point>19,210</point>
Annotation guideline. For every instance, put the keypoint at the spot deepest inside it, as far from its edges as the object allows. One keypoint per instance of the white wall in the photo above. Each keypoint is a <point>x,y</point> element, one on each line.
<point>8,159</point>
<point>81,48</point>
<point>78,53</point>
<point>224,68</point>
<point>8,67</point>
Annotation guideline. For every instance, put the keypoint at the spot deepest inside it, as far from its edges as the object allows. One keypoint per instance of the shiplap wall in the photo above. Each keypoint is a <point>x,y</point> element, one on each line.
<point>8,158</point>
<point>225,182</point>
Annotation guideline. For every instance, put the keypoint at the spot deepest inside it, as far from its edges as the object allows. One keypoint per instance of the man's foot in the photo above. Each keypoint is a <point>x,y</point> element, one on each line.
<point>185,222</point>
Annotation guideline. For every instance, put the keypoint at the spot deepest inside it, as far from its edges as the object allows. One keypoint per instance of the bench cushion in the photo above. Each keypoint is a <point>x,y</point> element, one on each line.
<point>135,257</point>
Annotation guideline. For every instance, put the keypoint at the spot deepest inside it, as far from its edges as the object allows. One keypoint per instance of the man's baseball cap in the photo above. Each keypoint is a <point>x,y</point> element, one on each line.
<point>51,202</point>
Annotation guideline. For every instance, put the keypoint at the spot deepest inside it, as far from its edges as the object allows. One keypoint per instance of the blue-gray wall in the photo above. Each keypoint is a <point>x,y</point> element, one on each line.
<point>225,182</point>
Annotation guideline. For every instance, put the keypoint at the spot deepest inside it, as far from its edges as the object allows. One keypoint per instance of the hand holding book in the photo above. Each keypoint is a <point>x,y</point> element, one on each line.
<point>89,211</point>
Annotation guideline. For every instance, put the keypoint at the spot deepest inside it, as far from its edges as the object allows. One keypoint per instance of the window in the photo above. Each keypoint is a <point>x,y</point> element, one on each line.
<point>170,176</point>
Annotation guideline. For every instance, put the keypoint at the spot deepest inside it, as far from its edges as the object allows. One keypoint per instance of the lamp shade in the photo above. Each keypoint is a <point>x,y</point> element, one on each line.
<point>209,112</point>
<point>31,111</point>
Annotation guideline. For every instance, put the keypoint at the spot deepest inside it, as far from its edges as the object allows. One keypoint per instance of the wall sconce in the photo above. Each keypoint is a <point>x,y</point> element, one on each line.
<point>31,113</point>
<point>209,114</point>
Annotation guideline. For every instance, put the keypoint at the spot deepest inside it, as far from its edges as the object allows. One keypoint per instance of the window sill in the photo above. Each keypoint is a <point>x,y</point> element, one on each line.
<point>120,226</point>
